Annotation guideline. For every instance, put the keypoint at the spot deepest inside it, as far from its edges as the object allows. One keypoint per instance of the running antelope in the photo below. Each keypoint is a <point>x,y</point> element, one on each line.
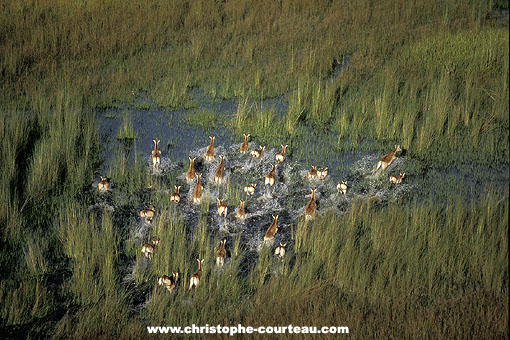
<point>386,160</point>
<point>312,174</point>
<point>322,173</point>
<point>148,249</point>
<point>147,214</point>
<point>397,179</point>
<point>342,187</point>
<point>311,206</point>
<point>169,282</point>
<point>156,154</point>
<point>240,214</point>
<point>190,174</point>
<point>209,152</point>
<point>270,177</point>
<point>176,197</point>
<point>218,177</point>
<point>222,207</point>
<point>280,250</point>
<point>250,189</point>
<point>281,155</point>
<point>273,228</point>
<point>103,184</point>
<point>244,146</point>
<point>197,192</point>
<point>195,278</point>
<point>221,254</point>
<point>258,153</point>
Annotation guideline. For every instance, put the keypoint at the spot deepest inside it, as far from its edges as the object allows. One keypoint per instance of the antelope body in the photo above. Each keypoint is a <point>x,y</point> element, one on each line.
<point>209,152</point>
<point>240,213</point>
<point>103,184</point>
<point>221,254</point>
<point>312,174</point>
<point>244,147</point>
<point>270,177</point>
<point>169,282</point>
<point>250,189</point>
<point>156,154</point>
<point>176,197</point>
<point>397,179</point>
<point>190,174</point>
<point>311,206</point>
<point>218,177</point>
<point>195,278</point>
<point>386,160</point>
<point>273,228</point>
<point>222,207</point>
<point>280,250</point>
<point>197,192</point>
<point>258,153</point>
<point>148,249</point>
<point>281,155</point>
<point>147,214</point>
<point>322,173</point>
<point>342,187</point>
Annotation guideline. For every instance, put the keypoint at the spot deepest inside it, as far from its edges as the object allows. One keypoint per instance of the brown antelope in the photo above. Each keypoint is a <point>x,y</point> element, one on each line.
<point>258,153</point>
<point>195,278</point>
<point>240,214</point>
<point>147,214</point>
<point>222,207</point>
<point>250,189</point>
<point>176,197</point>
<point>386,160</point>
<point>270,177</point>
<point>273,228</point>
<point>280,251</point>
<point>312,174</point>
<point>209,152</point>
<point>221,254</point>
<point>169,282</point>
<point>322,173</point>
<point>281,155</point>
<point>190,174</point>
<point>156,154</point>
<point>244,146</point>
<point>342,187</point>
<point>148,249</point>
<point>103,184</point>
<point>218,177</point>
<point>311,206</point>
<point>397,179</point>
<point>197,192</point>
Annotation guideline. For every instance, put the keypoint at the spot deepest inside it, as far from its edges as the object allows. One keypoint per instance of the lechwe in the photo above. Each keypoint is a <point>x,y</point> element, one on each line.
<point>156,154</point>
<point>218,177</point>
<point>270,177</point>
<point>244,147</point>
<point>169,282</point>
<point>281,155</point>
<point>342,187</point>
<point>397,179</point>
<point>386,160</point>
<point>273,228</point>
<point>250,189</point>
<point>222,207</point>
<point>209,152</point>
<point>280,251</point>
<point>197,192</point>
<point>240,213</point>
<point>311,206</point>
<point>190,174</point>
<point>148,249</point>
<point>148,213</point>
<point>221,254</point>
<point>258,153</point>
<point>103,184</point>
<point>195,278</point>
<point>312,174</point>
<point>176,197</point>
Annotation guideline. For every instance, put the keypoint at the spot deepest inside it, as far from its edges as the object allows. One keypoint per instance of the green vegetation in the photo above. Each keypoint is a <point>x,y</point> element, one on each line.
<point>429,75</point>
